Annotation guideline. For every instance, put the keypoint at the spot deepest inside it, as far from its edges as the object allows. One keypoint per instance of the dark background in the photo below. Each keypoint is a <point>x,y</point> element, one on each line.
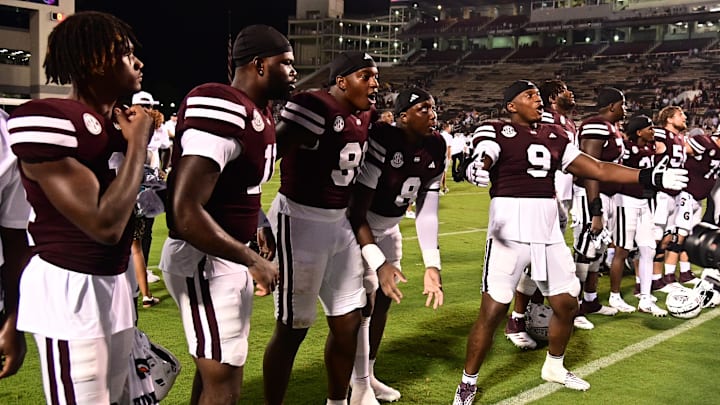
<point>184,43</point>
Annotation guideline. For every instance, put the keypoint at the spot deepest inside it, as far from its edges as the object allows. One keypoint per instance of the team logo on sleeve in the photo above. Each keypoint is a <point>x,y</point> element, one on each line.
<point>397,160</point>
<point>635,150</point>
<point>339,124</point>
<point>508,131</point>
<point>712,152</point>
<point>92,124</point>
<point>257,121</point>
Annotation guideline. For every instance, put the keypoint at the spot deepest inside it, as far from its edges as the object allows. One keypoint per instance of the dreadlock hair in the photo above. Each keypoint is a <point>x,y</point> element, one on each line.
<point>551,89</point>
<point>666,113</point>
<point>86,44</point>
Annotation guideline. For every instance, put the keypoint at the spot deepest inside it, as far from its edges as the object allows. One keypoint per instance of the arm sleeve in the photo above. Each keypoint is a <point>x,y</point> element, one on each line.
<point>570,154</point>
<point>263,221</point>
<point>426,222</point>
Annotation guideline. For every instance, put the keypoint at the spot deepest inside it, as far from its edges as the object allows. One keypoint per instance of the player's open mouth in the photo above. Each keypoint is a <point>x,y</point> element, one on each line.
<point>372,97</point>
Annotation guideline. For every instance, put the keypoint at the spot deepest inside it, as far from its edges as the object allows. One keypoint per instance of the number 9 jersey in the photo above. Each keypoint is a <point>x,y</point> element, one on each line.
<point>321,175</point>
<point>524,159</point>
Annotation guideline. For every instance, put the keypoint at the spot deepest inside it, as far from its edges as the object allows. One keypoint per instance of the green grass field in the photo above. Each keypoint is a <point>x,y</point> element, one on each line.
<point>424,350</point>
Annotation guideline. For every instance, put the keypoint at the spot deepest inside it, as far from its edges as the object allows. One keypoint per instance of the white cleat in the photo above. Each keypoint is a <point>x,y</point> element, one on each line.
<point>363,395</point>
<point>648,306</point>
<point>668,288</point>
<point>521,340</point>
<point>152,278</point>
<point>620,304</point>
<point>384,392</point>
<point>568,379</point>
<point>581,322</point>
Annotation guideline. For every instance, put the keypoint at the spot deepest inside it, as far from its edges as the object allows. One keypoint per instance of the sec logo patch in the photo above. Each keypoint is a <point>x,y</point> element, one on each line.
<point>92,124</point>
<point>339,124</point>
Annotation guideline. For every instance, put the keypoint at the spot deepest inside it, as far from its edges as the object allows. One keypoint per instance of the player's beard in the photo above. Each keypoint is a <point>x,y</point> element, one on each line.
<point>566,104</point>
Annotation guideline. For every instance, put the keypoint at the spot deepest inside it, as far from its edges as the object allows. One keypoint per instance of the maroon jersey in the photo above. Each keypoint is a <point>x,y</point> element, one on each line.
<point>524,158</point>
<point>597,127</point>
<point>53,129</point>
<point>398,170</point>
<point>551,116</point>
<point>321,175</point>
<point>703,168</point>
<point>637,157</point>
<point>674,148</point>
<point>226,112</point>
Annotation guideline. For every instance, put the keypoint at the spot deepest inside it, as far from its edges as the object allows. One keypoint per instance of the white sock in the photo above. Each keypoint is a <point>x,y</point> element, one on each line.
<point>371,367</point>
<point>615,295</point>
<point>669,269</point>
<point>656,276</point>
<point>589,296</point>
<point>361,367</point>
<point>469,378</point>
<point>517,315</point>
<point>337,401</point>
<point>684,266</point>
<point>555,364</point>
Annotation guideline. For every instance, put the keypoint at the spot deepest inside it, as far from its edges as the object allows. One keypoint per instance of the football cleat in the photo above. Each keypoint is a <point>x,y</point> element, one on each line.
<point>636,293</point>
<point>594,307</point>
<point>516,333</point>
<point>619,304</point>
<point>564,377</point>
<point>688,277</point>
<point>384,392</point>
<point>465,394</point>
<point>152,278</point>
<point>581,322</point>
<point>363,395</point>
<point>648,306</point>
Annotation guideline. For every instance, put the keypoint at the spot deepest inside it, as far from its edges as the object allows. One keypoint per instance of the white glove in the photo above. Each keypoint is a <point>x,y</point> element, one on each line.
<point>476,175</point>
<point>664,176</point>
<point>602,238</point>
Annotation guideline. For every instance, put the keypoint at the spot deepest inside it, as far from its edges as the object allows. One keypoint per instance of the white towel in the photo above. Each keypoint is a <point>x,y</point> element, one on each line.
<point>538,262</point>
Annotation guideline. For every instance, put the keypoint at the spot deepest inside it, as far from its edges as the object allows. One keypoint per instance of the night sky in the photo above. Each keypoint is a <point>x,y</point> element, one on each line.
<point>184,43</point>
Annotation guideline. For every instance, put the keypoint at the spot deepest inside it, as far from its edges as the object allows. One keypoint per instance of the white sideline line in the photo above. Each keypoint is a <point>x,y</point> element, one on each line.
<point>409,238</point>
<point>546,389</point>
<point>473,230</point>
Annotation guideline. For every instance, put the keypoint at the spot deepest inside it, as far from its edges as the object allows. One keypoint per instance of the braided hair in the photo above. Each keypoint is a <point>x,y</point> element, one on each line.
<point>85,45</point>
<point>551,89</point>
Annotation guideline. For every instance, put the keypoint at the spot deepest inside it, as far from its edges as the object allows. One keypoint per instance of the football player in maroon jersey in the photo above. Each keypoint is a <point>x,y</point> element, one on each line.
<point>593,202</point>
<point>520,158</point>
<point>672,213</point>
<point>81,162</point>
<point>634,223</point>
<point>322,139</point>
<point>559,103</point>
<point>405,162</point>
<point>224,151</point>
<point>14,253</point>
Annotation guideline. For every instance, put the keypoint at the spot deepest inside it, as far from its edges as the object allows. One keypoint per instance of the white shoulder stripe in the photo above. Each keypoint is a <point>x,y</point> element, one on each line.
<point>484,134</point>
<point>485,128</point>
<point>216,102</point>
<point>376,155</point>
<point>216,115</point>
<point>595,126</point>
<point>41,121</point>
<point>592,131</point>
<point>697,146</point>
<point>49,138</point>
<point>375,144</point>
<point>302,121</point>
<point>319,119</point>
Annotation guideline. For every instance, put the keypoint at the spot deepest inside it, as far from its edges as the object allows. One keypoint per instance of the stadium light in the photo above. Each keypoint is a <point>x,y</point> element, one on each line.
<point>57,16</point>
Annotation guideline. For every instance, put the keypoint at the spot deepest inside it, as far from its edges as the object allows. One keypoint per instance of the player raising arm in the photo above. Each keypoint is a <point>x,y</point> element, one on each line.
<point>520,159</point>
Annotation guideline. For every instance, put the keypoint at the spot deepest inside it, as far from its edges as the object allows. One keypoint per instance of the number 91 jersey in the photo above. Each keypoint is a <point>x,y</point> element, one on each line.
<point>524,158</point>
<point>321,175</point>
<point>398,170</point>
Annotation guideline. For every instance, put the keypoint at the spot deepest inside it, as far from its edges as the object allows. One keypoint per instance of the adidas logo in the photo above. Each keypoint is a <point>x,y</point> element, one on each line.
<point>367,57</point>
<point>552,136</point>
<point>431,165</point>
<point>413,97</point>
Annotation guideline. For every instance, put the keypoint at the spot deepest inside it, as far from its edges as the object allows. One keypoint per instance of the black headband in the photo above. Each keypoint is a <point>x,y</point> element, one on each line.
<point>516,88</point>
<point>409,97</point>
<point>258,41</point>
<point>637,123</point>
<point>348,62</point>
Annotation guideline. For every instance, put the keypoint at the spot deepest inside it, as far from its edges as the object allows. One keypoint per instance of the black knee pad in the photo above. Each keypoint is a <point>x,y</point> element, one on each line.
<point>674,247</point>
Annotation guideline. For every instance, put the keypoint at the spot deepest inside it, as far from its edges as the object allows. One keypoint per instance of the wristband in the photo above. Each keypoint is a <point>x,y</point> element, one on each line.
<point>645,177</point>
<point>373,256</point>
<point>595,207</point>
<point>431,258</point>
